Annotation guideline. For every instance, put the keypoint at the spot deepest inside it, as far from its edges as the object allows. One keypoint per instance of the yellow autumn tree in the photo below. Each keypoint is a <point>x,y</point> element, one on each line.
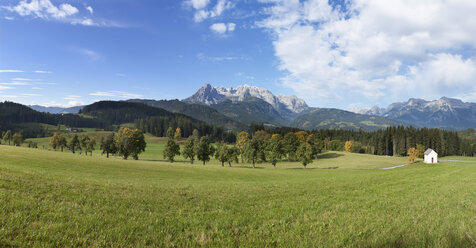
<point>348,146</point>
<point>302,136</point>
<point>178,134</point>
<point>241,140</point>
<point>412,154</point>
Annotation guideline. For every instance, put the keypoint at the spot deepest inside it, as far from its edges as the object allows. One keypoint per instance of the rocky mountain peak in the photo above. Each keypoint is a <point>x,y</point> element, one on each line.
<point>209,94</point>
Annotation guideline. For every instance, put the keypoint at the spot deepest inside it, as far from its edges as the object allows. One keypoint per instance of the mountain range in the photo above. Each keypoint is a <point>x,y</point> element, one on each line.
<point>446,113</point>
<point>56,110</point>
<point>236,108</point>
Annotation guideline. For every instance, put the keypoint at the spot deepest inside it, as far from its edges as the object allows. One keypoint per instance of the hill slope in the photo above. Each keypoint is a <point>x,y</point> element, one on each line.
<point>197,111</point>
<point>14,113</point>
<point>251,110</point>
<point>115,112</point>
<point>328,118</point>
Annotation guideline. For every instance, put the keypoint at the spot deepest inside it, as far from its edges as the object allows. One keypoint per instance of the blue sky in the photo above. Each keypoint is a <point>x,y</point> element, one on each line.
<point>345,54</point>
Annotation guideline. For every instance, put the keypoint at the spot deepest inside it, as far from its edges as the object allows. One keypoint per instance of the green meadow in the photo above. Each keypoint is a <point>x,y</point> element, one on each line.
<point>60,199</point>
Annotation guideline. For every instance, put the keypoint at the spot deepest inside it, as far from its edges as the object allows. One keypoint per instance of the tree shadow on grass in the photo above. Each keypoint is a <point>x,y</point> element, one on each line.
<point>302,168</point>
<point>248,167</point>
<point>329,155</point>
<point>176,161</point>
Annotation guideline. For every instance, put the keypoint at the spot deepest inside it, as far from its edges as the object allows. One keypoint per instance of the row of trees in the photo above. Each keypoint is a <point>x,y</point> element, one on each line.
<point>125,142</point>
<point>12,138</point>
<point>77,143</point>
<point>260,147</point>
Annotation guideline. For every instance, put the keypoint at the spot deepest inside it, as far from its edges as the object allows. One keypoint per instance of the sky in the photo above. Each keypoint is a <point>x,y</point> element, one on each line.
<point>344,54</point>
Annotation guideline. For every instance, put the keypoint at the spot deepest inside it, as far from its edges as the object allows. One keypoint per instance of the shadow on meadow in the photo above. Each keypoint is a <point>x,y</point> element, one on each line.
<point>329,155</point>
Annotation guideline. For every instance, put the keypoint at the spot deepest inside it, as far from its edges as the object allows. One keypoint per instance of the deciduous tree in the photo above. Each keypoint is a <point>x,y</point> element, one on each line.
<point>255,151</point>
<point>348,146</point>
<point>178,133</point>
<point>304,154</point>
<point>7,136</point>
<point>74,144</point>
<point>205,149</point>
<point>108,145</point>
<point>412,154</point>
<point>241,140</point>
<point>420,149</point>
<point>190,149</point>
<point>274,150</point>
<point>17,139</point>
<point>130,142</point>
<point>171,150</point>
<point>90,146</point>
<point>290,145</point>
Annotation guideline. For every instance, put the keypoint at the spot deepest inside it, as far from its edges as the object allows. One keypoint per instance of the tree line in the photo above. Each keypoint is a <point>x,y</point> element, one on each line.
<point>159,125</point>
<point>257,148</point>
<point>392,141</point>
<point>126,143</point>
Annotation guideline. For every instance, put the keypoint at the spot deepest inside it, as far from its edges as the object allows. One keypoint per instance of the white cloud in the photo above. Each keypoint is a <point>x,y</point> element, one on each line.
<point>198,4</point>
<point>5,87</point>
<point>43,72</point>
<point>116,94</point>
<point>378,49</point>
<point>30,94</point>
<point>90,9</point>
<point>91,54</point>
<point>43,9</point>
<point>120,74</point>
<point>5,71</point>
<point>9,18</point>
<point>222,28</point>
<point>202,13</point>
<point>16,83</point>
<point>46,10</point>
<point>36,88</point>
<point>22,79</point>
<point>72,97</point>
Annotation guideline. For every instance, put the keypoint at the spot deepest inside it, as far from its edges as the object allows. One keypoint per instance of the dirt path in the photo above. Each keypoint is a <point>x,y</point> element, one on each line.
<point>393,167</point>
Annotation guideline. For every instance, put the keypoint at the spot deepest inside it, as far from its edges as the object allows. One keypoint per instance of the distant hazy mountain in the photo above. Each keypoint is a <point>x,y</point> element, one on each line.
<point>56,110</point>
<point>445,113</point>
<point>209,95</point>
<point>197,111</point>
<point>329,118</point>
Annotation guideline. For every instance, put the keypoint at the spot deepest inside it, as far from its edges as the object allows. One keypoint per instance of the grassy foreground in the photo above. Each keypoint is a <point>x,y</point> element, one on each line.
<point>55,199</point>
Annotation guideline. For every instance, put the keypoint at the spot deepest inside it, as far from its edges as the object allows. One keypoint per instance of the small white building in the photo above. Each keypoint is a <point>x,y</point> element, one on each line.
<point>431,157</point>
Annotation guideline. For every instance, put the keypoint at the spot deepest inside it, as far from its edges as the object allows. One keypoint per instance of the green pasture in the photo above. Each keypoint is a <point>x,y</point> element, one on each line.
<point>54,199</point>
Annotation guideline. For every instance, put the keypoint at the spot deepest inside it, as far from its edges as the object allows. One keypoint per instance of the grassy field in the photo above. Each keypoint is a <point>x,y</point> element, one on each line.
<point>328,160</point>
<point>53,199</point>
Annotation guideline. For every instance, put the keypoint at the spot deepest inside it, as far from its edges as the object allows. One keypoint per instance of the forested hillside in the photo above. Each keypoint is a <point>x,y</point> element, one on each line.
<point>197,111</point>
<point>328,118</point>
<point>251,110</point>
<point>115,112</point>
<point>14,116</point>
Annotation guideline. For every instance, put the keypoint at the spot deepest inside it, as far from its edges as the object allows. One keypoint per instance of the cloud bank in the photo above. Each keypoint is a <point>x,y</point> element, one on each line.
<point>381,50</point>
